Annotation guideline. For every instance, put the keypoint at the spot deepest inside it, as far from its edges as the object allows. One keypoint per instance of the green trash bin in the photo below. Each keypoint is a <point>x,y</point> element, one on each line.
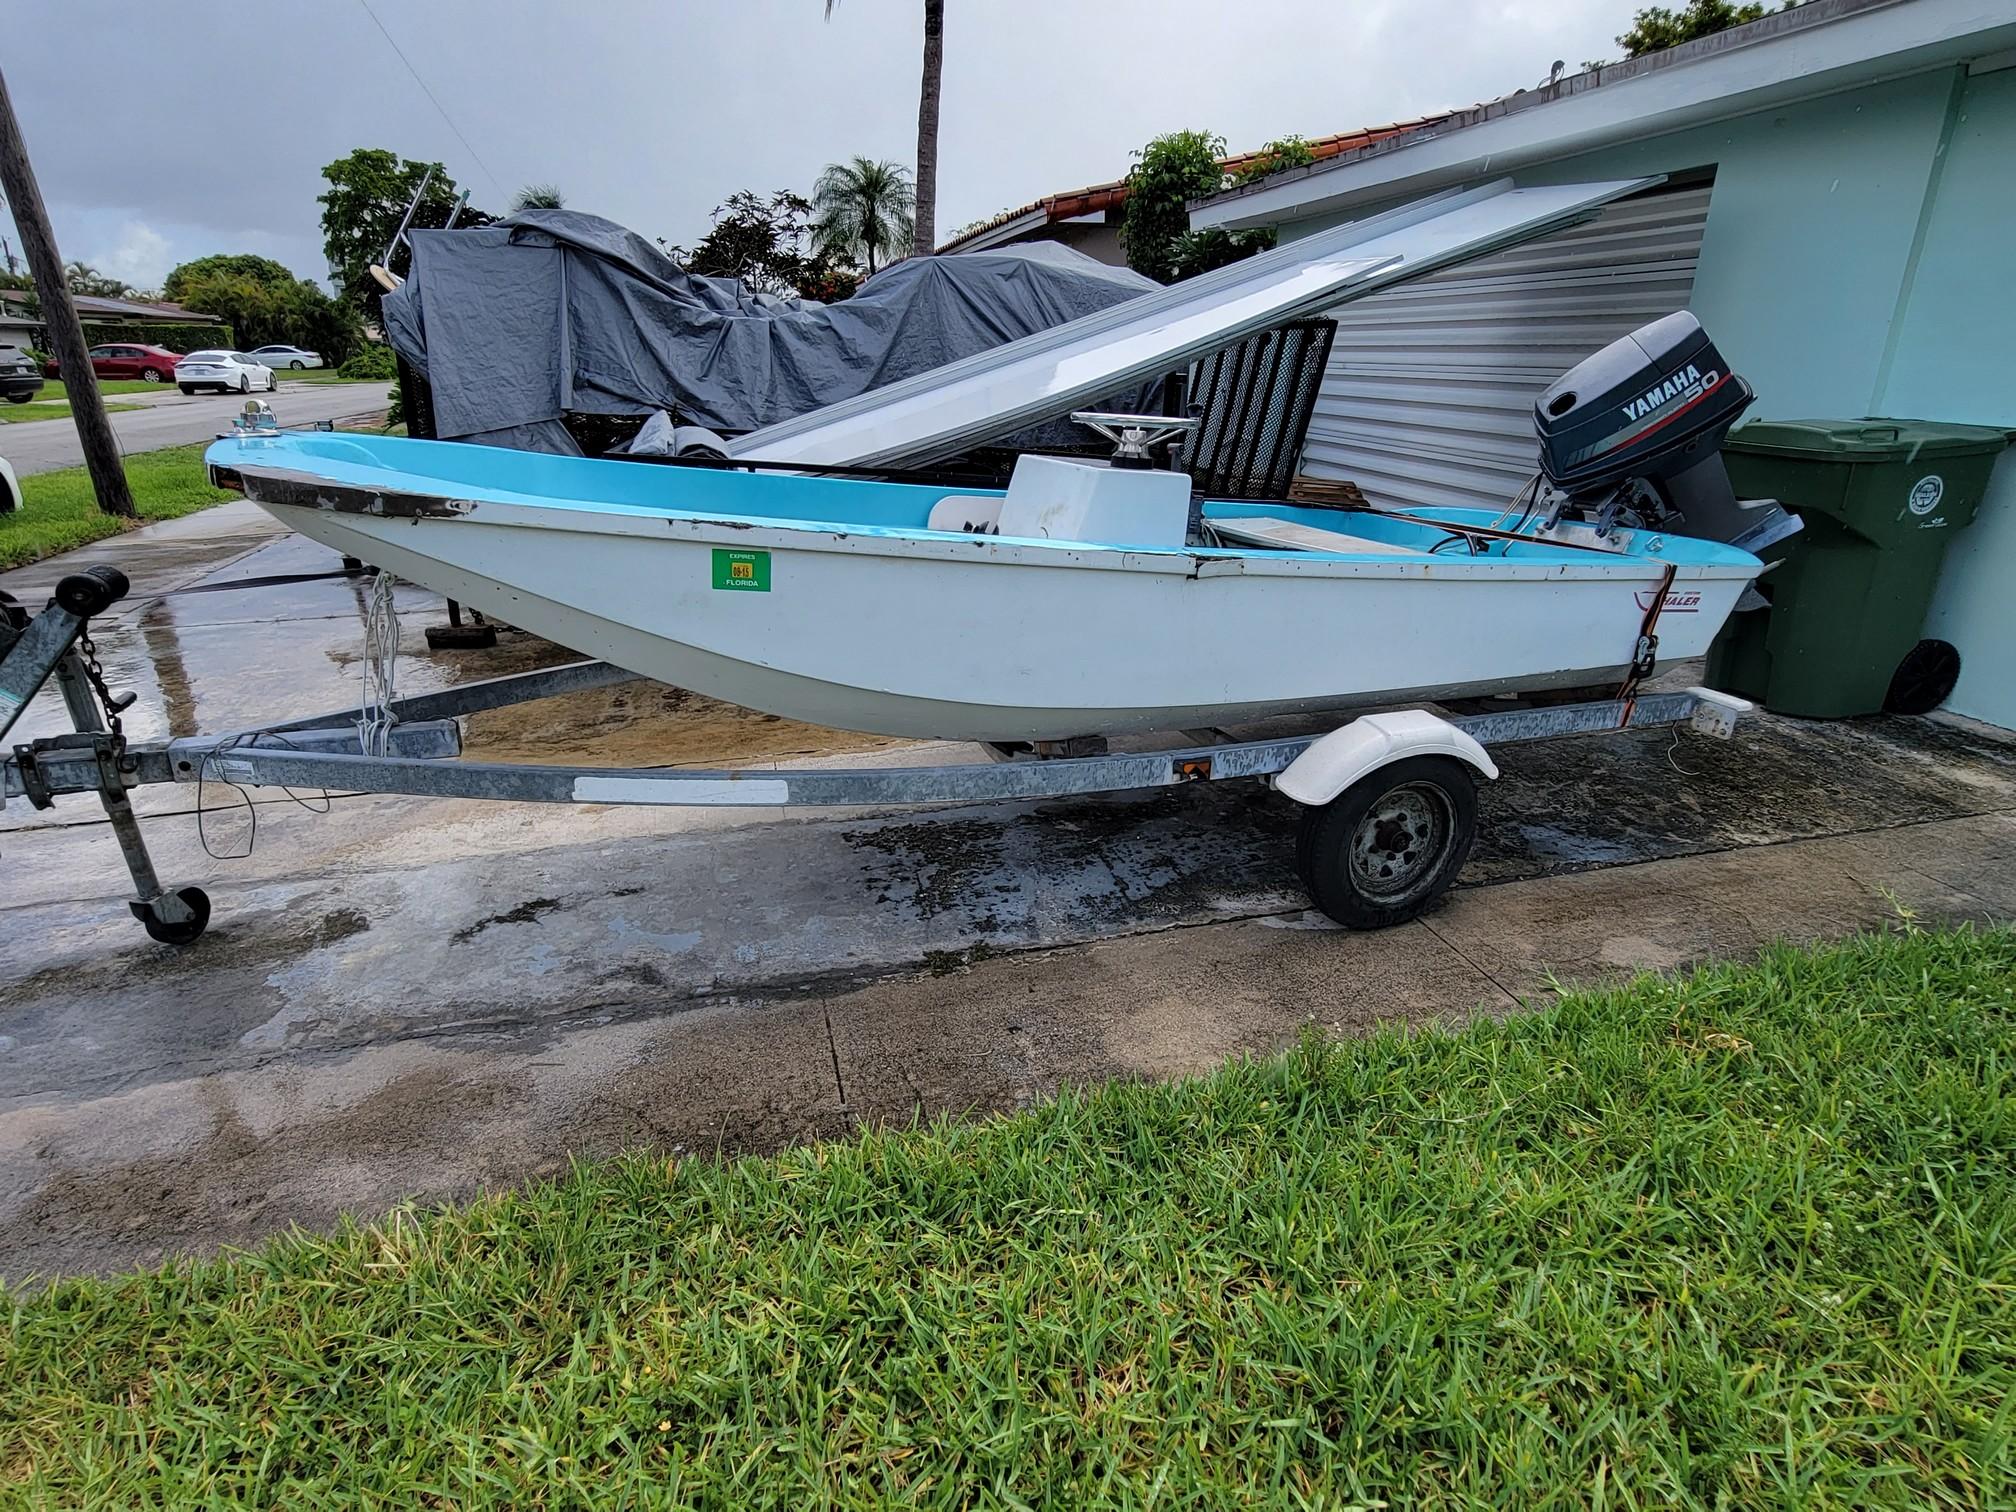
<point>1879,501</point>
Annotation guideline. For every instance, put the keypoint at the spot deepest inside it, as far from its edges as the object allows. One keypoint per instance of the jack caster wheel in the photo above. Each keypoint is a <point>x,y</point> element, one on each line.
<point>175,918</point>
<point>1390,844</point>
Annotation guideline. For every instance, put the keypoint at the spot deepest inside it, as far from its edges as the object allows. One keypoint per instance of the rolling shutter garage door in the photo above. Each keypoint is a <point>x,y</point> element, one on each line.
<point>1428,398</point>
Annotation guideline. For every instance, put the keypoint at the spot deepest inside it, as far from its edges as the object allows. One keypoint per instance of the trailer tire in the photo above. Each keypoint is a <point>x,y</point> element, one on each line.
<point>1388,846</point>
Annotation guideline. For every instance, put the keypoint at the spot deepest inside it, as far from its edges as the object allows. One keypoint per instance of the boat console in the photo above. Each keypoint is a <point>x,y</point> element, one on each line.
<point>1063,499</point>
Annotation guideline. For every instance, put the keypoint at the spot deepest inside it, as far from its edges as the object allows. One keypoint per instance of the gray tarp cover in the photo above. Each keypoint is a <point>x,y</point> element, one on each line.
<point>553,310</point>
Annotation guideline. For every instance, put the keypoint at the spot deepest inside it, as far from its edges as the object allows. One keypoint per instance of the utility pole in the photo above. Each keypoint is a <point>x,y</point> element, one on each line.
<point>66,332</point>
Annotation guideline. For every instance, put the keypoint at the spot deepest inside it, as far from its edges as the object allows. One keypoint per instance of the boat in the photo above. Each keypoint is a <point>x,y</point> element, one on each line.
<point>1071,603</point>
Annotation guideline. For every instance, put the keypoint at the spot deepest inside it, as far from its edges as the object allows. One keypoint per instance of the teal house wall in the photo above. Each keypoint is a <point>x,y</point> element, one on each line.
<point>1859,258</point>
<point>1953,357</point>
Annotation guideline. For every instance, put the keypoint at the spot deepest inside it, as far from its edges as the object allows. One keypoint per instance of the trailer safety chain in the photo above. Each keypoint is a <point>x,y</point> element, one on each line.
<point>94,673</point>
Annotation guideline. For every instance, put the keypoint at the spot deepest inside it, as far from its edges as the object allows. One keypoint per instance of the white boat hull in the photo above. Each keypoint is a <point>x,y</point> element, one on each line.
<point>982,638</point>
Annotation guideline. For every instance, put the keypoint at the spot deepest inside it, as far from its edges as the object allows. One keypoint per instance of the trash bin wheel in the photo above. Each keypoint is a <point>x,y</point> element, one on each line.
<point>1389,845</point>
<point>1924,679</point>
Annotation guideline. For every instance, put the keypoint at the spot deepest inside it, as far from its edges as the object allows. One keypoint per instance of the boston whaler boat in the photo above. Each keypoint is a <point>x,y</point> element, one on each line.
<point>1079,601</point>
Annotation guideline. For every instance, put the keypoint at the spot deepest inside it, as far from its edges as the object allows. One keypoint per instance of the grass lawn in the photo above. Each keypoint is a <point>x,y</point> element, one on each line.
<point>59,510</point>
<point>53,388</point>
<point>1746,1238</point>
<point>42,409</point>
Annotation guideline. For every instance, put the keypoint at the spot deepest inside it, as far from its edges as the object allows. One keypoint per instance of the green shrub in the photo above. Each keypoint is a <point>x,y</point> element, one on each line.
<point>1197,252</point>
<point>371,362</point>
<point>160,333</point>
<point>395,413</point>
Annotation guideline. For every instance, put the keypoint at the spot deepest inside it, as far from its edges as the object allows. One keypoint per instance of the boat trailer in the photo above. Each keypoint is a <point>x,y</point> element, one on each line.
<point>1388,799</point>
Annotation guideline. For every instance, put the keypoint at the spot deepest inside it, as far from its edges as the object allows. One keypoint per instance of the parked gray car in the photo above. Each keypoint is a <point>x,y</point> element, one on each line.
<point>280,358</point>
<point>19,382</point>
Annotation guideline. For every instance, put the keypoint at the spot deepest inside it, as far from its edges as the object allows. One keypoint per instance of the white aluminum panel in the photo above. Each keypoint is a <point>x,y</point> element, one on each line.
<point>1428,397</point>
<point>998,392</point>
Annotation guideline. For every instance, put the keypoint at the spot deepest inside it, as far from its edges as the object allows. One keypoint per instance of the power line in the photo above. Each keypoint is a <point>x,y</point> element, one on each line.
<point>438,106</point>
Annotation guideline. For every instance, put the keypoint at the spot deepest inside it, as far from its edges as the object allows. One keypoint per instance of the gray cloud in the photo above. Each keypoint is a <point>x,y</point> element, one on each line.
<point>652,112</point>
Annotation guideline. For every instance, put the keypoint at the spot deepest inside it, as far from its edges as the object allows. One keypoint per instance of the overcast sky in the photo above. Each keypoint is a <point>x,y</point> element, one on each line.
<point>164,131</point>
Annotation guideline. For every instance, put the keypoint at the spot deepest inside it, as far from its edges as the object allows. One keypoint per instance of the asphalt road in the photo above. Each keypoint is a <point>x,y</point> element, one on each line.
<point>175,419</point>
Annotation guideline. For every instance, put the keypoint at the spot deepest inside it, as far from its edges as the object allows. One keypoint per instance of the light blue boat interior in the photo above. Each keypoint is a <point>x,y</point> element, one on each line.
<point>794,500</point>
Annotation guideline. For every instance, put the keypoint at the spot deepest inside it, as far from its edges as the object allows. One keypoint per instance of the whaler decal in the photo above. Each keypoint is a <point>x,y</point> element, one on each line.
<point>1679,601</point>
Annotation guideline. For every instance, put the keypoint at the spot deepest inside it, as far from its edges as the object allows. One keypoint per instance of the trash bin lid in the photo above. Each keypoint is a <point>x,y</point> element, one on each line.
<point>1867,440</point>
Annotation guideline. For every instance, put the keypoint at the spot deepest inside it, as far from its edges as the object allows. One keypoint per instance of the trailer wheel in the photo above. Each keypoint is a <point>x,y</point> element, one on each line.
<point>177,919</point>
<point>1390,844</point>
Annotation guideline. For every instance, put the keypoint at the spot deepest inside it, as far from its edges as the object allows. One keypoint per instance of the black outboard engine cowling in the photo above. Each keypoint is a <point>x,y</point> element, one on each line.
<point>1650,409</point>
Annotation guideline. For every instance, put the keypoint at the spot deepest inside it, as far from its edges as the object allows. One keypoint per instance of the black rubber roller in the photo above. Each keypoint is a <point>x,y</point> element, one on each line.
<point>92,591</point>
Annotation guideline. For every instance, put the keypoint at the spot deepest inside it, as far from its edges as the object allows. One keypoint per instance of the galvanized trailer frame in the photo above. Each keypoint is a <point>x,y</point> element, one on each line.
<point>420,753</point>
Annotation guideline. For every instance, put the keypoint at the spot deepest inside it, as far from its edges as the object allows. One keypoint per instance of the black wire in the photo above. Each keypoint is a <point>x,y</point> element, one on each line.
<point>251,808</point>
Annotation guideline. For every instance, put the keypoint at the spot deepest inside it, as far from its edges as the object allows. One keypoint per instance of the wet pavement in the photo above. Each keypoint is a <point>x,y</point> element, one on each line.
<point>407,998</point>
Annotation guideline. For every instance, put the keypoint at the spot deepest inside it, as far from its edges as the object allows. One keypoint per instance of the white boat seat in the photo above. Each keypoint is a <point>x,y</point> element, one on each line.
<point>974,514</point>
<point>1274,534</point>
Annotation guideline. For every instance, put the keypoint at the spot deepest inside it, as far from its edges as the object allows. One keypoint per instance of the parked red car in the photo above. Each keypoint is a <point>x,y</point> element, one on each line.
<point>150,364</point>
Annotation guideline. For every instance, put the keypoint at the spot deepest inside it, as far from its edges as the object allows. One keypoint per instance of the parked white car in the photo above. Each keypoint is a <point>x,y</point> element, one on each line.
<point>223,371</point>
<point>10,488</point>
<point>278,357</point>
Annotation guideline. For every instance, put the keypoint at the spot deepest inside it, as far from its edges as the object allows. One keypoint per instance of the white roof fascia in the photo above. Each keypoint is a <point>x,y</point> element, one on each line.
<point>1821,48</point>
<point>994,236</point>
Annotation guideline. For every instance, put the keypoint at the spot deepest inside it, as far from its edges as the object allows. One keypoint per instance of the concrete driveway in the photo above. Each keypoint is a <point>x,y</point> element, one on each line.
<point>172,418</point>
<point>406,999</point>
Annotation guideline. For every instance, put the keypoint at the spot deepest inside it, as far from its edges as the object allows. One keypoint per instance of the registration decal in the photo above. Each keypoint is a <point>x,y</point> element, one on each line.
<point>742,571</point>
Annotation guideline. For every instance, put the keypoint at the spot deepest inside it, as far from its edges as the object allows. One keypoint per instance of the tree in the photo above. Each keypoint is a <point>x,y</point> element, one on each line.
<point>864,210</point>
<point>761,240</point>
<point>223,265</point>
<point>924,225</point>
<point>538,197</point>
<point>265,302</point>
<point>1197,252</point>
<point>367,197</point>
<point>1174,169</point>
<point>925,239</point>
<point>85,279</point>
<point>756,239</point>
<point>1656,28</point>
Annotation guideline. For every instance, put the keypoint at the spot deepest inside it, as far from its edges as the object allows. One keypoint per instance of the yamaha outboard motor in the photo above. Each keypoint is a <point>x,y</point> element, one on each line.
<point>1634,435</point>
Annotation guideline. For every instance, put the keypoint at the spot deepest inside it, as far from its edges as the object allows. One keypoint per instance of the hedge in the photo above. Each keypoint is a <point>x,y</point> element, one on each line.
<point>174,336</point>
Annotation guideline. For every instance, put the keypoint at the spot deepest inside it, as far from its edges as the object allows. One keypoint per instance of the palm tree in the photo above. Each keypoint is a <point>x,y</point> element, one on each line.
<point>924,228</point>
<point>85,279</point>
<point>538,197</point>
<point>864,210</point>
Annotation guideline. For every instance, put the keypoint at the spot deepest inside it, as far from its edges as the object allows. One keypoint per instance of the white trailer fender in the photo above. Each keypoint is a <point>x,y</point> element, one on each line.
<point>1372,741</point>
